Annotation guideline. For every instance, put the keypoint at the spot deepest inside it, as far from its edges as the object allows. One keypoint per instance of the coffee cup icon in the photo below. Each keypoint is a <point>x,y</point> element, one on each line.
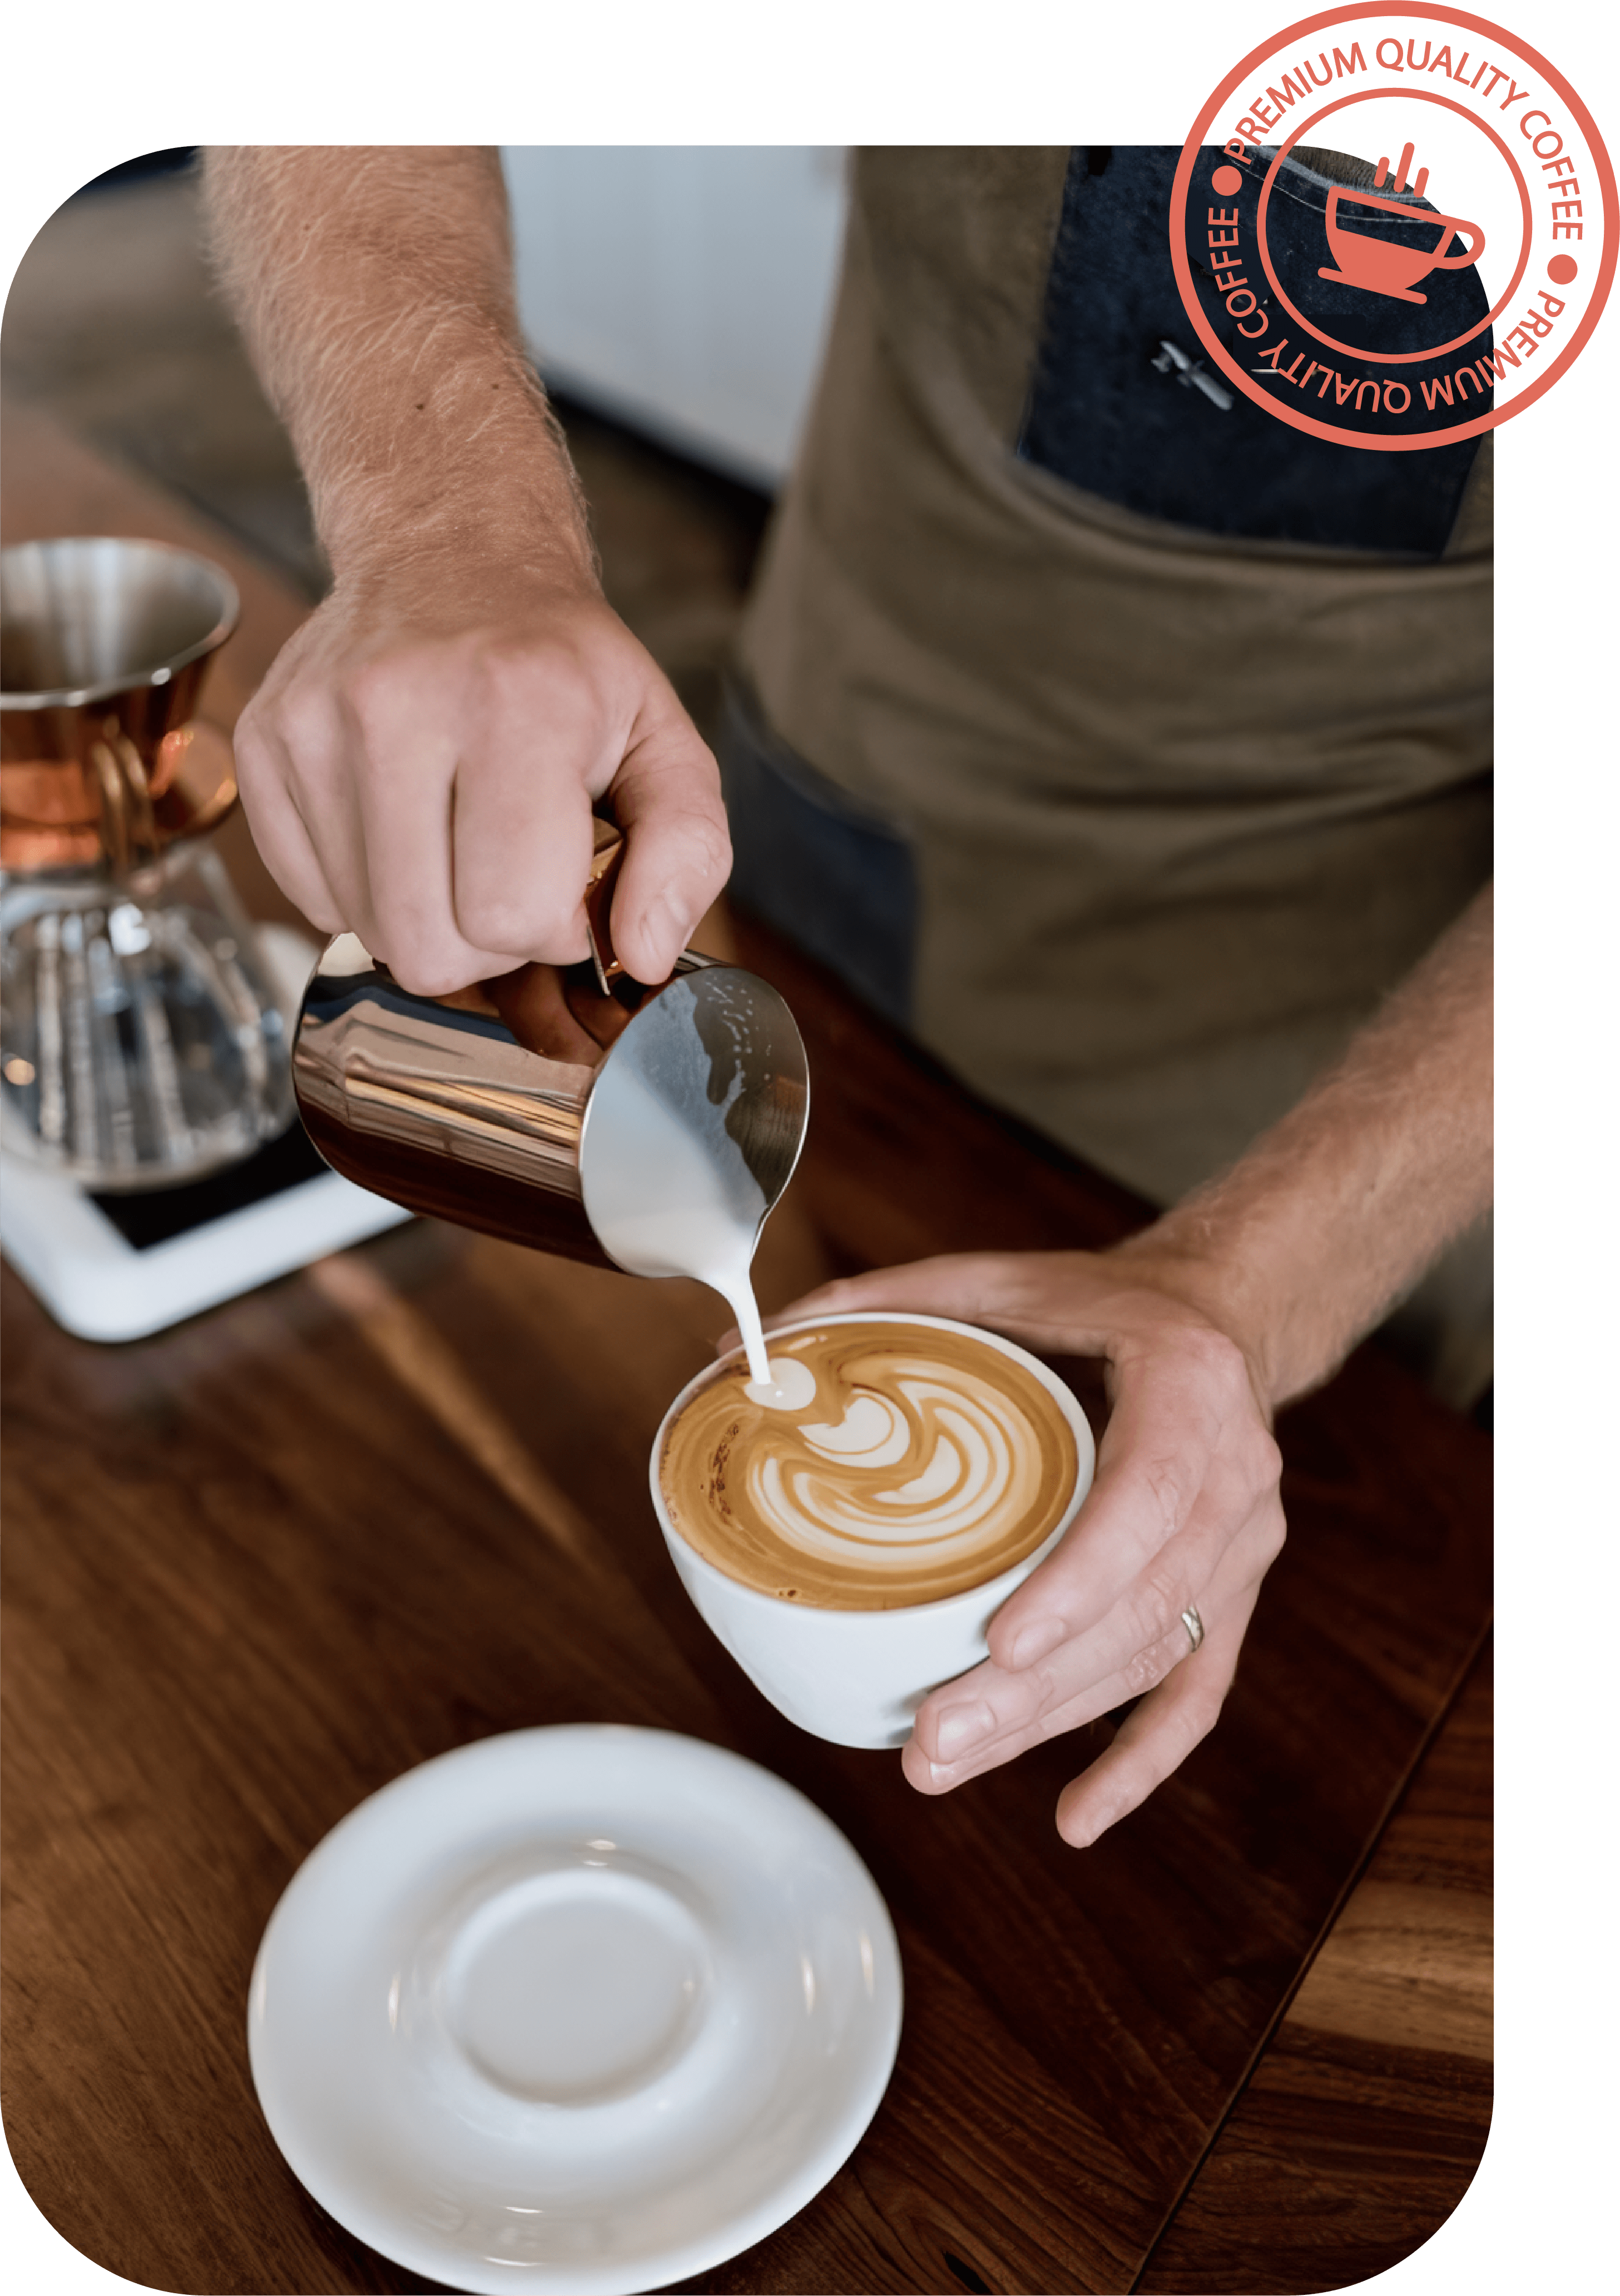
<point>1380,266</point>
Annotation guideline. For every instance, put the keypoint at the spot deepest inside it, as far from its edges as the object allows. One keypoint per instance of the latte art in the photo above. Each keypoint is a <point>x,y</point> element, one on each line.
<point>925,1461</point>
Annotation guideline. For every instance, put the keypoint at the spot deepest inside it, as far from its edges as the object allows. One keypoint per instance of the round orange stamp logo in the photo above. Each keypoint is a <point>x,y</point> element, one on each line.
<point>1394,227</point>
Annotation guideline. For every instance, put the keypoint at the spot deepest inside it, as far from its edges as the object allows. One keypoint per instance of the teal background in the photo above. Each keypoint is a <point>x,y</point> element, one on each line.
<point>93,86</point>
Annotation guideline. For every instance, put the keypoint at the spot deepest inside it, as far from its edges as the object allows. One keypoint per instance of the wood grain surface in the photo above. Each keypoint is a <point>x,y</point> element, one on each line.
<point>1364,2119</point>
<point>258,1566</point>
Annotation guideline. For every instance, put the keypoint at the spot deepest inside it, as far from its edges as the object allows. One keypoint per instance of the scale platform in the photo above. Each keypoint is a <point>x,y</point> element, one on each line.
<point>118,1267</point>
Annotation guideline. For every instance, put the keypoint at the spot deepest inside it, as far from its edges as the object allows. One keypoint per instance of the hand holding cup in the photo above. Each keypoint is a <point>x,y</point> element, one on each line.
<point>1183,1517</point>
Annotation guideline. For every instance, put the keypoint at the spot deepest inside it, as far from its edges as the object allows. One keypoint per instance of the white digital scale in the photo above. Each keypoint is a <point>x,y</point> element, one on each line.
<point>119,1267</point>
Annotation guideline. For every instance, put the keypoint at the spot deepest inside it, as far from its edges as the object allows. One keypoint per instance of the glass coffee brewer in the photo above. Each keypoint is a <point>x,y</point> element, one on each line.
<point>141,1043</point>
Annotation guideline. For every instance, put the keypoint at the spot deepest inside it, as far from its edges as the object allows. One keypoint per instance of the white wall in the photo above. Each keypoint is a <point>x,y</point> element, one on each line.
<point>684,290</point>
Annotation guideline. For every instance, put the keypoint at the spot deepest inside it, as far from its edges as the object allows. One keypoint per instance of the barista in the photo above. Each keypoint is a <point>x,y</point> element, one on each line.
<point>1167,747</point>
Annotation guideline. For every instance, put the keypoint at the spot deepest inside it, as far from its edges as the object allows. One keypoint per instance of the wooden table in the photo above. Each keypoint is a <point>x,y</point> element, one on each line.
<point>258,1566</point>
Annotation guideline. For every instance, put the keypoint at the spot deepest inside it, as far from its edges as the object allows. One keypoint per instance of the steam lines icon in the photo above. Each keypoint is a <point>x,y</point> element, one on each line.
<point>1399,185</point>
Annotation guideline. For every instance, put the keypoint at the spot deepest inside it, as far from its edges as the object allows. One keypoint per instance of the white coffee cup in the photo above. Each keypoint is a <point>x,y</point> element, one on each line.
<point>857,1678</point>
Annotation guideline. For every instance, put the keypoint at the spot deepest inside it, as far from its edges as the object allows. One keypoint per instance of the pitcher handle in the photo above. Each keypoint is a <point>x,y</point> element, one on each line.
<point>606,862</point>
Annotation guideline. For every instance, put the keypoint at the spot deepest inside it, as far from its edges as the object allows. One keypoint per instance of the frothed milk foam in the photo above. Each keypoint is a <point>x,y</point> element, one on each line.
<point>885,1464</point>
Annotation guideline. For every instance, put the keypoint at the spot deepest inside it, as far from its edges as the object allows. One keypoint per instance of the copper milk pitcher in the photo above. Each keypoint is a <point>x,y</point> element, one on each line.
<point>567,1108</point>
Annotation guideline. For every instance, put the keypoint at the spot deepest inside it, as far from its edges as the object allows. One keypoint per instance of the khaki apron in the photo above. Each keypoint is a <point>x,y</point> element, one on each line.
<point>1183,807</point>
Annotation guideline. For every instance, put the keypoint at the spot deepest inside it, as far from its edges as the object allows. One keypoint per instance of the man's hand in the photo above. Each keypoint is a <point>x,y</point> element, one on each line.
<point>419,769</point>
<point>1248,1293</point>
<point>421,763</point>
<point>1183,1514</point>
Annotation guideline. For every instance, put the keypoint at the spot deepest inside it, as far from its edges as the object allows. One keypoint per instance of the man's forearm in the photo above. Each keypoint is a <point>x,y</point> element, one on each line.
<point>373,287</point>
<point>1302,1247</point>
<point>420,764</point>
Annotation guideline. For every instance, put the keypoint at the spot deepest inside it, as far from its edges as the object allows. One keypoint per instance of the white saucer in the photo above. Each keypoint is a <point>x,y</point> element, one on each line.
<point>589,2009</point>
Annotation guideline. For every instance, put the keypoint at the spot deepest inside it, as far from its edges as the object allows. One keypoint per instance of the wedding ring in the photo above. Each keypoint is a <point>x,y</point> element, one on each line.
<point>1193,1623</point>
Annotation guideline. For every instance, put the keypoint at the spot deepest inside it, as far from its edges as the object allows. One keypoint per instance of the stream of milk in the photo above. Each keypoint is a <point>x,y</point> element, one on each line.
<point>666,1187</point>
